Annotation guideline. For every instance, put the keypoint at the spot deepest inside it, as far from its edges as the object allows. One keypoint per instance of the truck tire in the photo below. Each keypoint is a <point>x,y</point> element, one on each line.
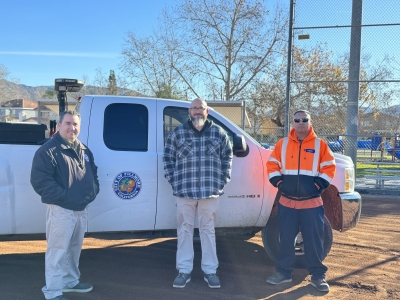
<point>270,238</point>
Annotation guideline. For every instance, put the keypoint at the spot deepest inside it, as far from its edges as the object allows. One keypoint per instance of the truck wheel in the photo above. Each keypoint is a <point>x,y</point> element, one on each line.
<point>270,238</point>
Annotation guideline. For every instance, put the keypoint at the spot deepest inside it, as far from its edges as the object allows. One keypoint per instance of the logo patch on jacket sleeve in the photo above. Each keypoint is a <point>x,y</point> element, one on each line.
<point>309,150</point>
<point>127,185</point>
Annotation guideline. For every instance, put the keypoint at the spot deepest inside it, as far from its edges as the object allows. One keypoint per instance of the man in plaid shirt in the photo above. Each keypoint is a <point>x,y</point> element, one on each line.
<point>197,163</point>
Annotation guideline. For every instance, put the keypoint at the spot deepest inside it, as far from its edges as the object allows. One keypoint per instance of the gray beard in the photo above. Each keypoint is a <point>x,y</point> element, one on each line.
<point>199,121</point>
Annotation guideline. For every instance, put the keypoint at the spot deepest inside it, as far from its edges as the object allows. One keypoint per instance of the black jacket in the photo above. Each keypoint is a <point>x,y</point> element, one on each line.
<point>63,177</point>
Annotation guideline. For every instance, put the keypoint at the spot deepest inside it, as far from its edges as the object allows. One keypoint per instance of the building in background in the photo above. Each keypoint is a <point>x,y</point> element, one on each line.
<point>17,110</point>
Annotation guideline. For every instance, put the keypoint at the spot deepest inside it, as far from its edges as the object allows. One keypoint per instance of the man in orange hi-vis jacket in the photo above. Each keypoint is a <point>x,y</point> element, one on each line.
<point>301,166</point>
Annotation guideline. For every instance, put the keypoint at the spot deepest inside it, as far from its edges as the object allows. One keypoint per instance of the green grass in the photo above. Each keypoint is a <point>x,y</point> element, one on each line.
<point>361,166</point>
<point>374,156</point>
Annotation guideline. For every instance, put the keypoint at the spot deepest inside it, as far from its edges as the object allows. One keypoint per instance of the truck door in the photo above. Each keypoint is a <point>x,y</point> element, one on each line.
<point>122,137</point>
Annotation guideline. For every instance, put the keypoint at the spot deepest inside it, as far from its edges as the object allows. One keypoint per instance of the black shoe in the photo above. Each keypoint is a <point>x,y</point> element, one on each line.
<point>79,288</point>
<point>278,278</point>
<point>320,284</point>
<point>181,280</point>
<point>212,280</point>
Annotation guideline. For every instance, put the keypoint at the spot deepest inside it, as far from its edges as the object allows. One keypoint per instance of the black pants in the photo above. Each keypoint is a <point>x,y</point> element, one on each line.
<point>311,223</point>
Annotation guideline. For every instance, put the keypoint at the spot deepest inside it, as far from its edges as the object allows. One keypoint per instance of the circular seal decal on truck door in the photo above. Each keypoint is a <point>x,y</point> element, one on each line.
<point>127,185</point>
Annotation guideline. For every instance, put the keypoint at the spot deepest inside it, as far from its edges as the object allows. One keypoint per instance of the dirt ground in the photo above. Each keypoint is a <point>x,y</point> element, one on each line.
<point>364,263</point>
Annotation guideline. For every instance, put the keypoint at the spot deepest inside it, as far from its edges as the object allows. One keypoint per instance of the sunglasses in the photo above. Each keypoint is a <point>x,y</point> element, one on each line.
<point>304,120</point>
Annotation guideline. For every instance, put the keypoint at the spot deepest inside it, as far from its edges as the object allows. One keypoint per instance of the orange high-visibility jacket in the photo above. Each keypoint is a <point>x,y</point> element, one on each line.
<point>303,170</point>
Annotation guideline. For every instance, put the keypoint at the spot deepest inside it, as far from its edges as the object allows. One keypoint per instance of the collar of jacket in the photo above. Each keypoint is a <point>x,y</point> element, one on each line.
<point>311,135</point>
<point>64,144</point>
<point>207,125</point>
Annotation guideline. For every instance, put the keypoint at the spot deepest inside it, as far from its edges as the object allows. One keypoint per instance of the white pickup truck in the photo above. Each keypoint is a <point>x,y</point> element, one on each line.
<point>126,136</point>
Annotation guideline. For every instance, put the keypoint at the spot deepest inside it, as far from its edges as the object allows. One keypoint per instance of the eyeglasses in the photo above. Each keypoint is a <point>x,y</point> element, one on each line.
<point>304,120</point>
<point>198,108</point>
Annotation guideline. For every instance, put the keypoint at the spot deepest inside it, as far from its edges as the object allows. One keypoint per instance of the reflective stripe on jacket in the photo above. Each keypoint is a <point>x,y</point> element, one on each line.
<point>301,170</point>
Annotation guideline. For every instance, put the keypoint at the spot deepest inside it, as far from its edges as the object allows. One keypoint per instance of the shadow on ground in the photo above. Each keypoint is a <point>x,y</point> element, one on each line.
<point>132,271</point>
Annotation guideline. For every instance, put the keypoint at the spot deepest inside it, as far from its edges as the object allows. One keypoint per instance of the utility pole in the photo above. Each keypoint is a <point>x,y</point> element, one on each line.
<point>289,67</point>
<point>350,145</point>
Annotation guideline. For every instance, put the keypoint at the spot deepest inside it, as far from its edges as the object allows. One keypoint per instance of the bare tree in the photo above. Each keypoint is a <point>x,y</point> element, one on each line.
<point>214,48</point>
<point>148,62</point>
<point>8,86</point>
<point>3,71</point>
<point>100,82</point>
<point>319,85</point>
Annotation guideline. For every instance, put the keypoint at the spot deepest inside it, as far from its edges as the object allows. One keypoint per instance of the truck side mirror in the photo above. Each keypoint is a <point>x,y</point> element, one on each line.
<point>240,148</point>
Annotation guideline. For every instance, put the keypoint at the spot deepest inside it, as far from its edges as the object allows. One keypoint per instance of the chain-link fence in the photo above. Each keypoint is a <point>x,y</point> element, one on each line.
<point>345,70</point>
<point>355,96</point>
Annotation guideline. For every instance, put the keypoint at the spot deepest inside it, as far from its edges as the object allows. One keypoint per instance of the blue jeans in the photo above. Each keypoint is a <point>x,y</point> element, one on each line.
<point>311,223</point>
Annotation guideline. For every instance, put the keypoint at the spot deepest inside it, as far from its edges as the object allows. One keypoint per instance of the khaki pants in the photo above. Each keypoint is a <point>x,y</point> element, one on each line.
<point>207,215</point>
<point>65,230</point>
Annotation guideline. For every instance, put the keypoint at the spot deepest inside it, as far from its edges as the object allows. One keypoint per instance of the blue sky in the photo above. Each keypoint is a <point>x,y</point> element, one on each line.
<point>42,40</point>
<point>376,41</point>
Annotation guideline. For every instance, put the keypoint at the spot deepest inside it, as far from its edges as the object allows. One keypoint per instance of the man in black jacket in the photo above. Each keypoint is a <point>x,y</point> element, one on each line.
<point>65,176</point>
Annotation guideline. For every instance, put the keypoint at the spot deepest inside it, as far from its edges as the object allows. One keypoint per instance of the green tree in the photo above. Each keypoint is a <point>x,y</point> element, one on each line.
<point>50,94</point>
<point>112,84</point>
<point>167,92</point>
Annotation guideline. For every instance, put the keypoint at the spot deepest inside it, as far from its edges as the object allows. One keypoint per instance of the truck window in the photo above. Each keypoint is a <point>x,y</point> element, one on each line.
<point>174,116</point>
<point>126,127</point>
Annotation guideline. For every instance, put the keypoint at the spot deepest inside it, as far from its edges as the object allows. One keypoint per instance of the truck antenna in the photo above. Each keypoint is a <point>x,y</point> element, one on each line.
<point>64,85</point>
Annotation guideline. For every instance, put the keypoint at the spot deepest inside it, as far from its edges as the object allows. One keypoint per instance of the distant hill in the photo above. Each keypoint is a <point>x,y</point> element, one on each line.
<point>10,90</point>
<point>95,90</point>
<point>393,110</point>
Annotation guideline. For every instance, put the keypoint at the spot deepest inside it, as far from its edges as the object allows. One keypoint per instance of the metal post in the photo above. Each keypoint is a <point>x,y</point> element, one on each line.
<point>62,99</point>
<point>353,85</point>
<point>289,66</point>
<point>243,114</point>
<point>39,118</point>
